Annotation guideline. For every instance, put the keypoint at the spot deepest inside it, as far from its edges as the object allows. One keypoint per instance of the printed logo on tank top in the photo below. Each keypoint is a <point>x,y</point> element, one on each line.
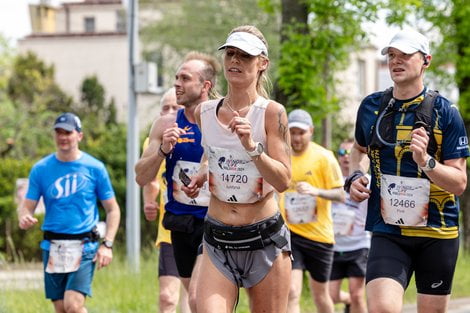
<point>233,176</point>
<point>67,185</point>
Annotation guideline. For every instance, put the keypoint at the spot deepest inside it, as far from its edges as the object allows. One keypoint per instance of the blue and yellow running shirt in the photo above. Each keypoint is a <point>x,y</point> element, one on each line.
<point>452,141</point>
<point>186,155</point>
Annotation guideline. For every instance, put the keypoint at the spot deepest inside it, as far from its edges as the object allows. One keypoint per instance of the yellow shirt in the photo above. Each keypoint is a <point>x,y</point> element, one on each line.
<point>163,234</point>
<point>318,167</point>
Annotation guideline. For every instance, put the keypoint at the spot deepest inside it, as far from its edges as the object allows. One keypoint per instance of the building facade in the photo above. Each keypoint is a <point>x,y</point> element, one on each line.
<point>87,38</point>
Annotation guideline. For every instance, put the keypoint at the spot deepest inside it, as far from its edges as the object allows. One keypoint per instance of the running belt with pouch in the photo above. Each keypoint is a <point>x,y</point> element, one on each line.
<point>245,238</point>
<point>423,118</point>
<point>92,235</point>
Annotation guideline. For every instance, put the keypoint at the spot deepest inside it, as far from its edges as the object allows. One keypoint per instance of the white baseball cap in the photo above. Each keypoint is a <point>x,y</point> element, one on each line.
<point>246,42</point>
<point>300,119</point>
<point>408,42</point>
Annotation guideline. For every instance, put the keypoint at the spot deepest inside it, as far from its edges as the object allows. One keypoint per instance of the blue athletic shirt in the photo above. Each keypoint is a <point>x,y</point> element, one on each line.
<point>450,134</point>
<point>70,191</point>
<point>188,148</point>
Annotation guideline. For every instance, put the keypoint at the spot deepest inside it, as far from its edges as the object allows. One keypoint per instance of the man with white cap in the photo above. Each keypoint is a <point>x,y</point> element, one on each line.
<point>306,205</point>
<point>70,182</point>
<point>417,145</point>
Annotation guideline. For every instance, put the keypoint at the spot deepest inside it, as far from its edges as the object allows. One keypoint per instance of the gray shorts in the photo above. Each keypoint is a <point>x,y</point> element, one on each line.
<point>246,268</point>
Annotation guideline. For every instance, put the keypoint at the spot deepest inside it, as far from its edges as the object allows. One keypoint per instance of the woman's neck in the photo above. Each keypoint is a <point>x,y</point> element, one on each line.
<point>238,101</point>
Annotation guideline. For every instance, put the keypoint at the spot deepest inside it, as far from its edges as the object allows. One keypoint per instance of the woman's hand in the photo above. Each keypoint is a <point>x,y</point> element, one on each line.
<point>242,127</point>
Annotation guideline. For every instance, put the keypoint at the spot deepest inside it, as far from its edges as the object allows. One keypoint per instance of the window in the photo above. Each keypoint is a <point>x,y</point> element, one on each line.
<point>89,24</point>
<point>361,78</point>
<point>121,21</point>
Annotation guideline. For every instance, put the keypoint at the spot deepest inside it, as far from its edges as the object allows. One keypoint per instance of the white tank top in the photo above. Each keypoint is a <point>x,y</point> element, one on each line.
<point>233,176</point>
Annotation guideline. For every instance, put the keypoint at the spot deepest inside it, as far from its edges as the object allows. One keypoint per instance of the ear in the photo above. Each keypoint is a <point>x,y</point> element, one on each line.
<point>427,60</point>
<point>263,63</point>
<point>207,85</point>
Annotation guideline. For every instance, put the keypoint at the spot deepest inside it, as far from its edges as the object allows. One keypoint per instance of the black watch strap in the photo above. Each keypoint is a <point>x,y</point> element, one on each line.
<point>107,244</point>
<point>355,175</point>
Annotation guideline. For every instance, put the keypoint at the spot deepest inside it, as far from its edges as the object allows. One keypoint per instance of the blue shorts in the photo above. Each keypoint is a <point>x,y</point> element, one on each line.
<point>56,284</point>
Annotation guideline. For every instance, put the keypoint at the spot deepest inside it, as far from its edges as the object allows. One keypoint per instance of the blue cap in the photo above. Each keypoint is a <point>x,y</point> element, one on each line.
<point>69,122</point>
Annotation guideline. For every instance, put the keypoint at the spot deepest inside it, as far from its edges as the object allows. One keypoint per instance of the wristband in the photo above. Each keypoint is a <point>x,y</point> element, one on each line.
<point>355,175</point>
<point>162,153</point>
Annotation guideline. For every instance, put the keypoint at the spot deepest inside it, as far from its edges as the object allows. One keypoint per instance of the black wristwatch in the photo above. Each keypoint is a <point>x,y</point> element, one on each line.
<point>107,243</point>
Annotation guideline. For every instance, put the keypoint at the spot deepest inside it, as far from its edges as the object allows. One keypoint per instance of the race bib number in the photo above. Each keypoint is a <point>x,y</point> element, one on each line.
<point>188,169</point>
<point>64,256</point>
<point>300,208</point>
<point>343,221</point>
<point>233,176</point>
<point>404,200</point>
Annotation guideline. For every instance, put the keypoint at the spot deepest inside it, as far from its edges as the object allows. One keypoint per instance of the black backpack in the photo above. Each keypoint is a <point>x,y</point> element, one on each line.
<point>423,118</point>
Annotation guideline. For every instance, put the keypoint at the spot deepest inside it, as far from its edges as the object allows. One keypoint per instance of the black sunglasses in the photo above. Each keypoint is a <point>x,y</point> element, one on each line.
<point>343,152</point>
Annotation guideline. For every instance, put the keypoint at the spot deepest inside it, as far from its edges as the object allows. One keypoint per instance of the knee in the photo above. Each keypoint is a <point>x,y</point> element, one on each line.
<point>335,297</point>
<point>192,301</point>
<point>380,308</point>
<point>357,297</point>
<point>73,307</point>
<point>294,294</point>
<point>168,300</point>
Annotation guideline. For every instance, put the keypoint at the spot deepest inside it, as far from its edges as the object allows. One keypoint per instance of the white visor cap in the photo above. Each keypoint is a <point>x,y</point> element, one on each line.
<point>246,42</point>
<point>408,42</point>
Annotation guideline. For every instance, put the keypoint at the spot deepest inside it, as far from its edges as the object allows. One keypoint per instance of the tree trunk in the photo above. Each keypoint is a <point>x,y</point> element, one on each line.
<point>326,132</point>
<point>293,12</point>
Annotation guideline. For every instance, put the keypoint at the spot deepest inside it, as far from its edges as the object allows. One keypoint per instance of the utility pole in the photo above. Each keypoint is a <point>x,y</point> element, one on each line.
<point>132,189</point>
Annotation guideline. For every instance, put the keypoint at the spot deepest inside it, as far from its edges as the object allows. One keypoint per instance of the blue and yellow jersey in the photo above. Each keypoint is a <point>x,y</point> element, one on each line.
<point>449,132</point>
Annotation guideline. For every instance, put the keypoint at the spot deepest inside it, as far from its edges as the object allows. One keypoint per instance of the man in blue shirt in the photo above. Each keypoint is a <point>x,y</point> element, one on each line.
<point>70,182</point>
<point>417,171</point>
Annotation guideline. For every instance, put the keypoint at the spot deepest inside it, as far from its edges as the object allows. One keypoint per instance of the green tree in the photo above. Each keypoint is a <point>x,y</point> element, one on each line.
<point>33,100</point>
<point>203,26</point>
<point>6,56</point>
<point>316,41</point>
<point>96,112</point>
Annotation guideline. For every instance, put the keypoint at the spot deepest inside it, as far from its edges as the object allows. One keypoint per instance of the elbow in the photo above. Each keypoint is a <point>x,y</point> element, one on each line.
<point>342,196</point>
<point>140,180</point>
<point>283,184</point>
<point>461,188</point>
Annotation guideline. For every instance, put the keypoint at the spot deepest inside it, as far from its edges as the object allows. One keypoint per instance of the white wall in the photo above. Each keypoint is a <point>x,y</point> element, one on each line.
<point>76,57</point>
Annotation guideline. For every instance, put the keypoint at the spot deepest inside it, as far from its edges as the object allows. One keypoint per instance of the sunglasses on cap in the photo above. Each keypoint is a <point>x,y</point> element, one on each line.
<point>343,152</point>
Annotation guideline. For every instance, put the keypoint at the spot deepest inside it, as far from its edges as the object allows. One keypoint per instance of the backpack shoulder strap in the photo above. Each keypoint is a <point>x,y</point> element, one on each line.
<point>423,118</point>
<point>385,99</point>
